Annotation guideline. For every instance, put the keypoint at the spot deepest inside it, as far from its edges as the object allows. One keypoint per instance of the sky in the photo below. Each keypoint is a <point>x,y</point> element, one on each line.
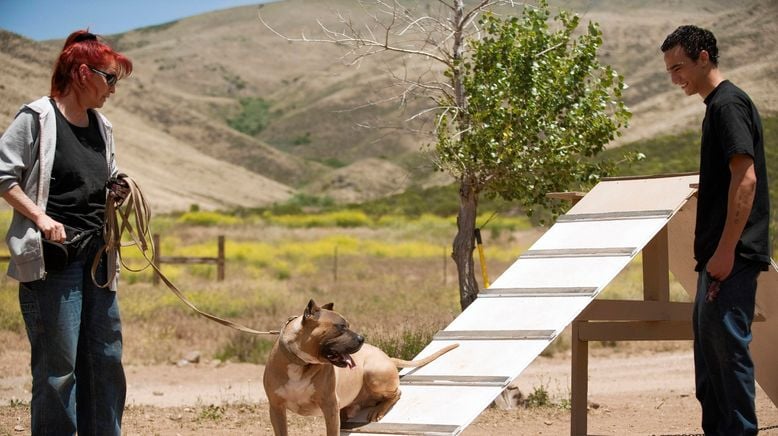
<point>56,19</point>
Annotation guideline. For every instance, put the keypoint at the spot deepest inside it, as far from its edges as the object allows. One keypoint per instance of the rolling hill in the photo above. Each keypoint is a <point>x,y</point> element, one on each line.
<point>312,127</point>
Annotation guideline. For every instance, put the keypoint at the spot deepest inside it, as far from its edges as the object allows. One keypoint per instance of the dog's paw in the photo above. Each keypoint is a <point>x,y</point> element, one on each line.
<point>349,412</point>
<point>375,415</point>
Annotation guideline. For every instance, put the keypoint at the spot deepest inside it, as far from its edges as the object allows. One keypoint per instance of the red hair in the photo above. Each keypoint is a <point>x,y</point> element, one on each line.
<point>83,47</point>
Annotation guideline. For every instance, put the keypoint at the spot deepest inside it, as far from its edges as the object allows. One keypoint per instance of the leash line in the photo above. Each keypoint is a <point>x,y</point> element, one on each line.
<point>133,216</point>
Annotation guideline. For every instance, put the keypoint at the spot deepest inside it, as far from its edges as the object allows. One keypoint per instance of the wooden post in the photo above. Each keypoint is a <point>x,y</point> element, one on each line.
<point>579,383</point>
<point>157,256</point>
<point>220,264</point>
<point>445,264</point>
<point>656,268</point>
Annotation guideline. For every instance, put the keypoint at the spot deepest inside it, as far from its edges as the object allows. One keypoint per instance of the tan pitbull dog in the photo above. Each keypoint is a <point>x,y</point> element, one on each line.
<point>318,366</point>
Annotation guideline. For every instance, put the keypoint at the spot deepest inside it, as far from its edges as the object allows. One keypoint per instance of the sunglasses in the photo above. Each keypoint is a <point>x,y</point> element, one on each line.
<point>110,79</point>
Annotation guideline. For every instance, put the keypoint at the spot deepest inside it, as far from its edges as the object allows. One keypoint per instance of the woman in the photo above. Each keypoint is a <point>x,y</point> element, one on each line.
<point>55,160</point>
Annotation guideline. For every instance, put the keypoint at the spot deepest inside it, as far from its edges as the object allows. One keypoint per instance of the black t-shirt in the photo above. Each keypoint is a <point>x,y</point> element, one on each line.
<point>731,126</point>
<point>77,192</point>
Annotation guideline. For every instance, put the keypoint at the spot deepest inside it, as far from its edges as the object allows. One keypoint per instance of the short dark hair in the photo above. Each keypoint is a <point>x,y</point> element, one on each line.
<point>693,40</point>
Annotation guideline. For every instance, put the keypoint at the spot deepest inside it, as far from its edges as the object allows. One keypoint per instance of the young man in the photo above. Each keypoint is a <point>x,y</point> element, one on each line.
<point>731,244</point>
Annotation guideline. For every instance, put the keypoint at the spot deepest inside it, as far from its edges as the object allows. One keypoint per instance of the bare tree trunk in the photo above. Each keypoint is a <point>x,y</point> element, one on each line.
<point>468,196</point>
<point>464,242</point>
<point>458,51</point>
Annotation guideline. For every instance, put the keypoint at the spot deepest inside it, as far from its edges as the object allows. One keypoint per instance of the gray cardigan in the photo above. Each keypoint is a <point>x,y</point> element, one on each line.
<point>26,158</point>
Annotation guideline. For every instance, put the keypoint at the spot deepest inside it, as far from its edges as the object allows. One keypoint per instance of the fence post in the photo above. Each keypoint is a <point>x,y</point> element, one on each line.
<point>335,265</point>
<point>157,256</point>
<point>445,264</point>
<point>220,261</point>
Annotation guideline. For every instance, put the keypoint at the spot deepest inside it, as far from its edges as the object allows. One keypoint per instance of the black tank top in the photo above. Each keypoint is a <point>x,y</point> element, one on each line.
<point>77,192</point>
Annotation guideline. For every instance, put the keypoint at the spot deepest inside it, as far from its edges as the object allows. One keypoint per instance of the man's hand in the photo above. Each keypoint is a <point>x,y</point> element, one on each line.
<point>721,264</point>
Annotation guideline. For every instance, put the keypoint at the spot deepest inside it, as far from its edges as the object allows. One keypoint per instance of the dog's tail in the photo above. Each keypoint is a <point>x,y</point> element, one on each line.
<point>421,362</point>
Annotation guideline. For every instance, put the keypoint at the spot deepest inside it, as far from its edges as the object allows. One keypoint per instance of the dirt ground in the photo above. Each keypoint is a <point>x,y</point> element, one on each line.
<point>635,391</point>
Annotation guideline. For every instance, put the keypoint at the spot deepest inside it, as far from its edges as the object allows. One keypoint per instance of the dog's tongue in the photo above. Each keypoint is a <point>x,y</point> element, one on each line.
<point>349,361</point>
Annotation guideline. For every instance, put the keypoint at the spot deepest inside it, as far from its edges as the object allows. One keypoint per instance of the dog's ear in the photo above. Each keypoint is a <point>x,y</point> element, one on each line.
<point>328,306</point>
<point>312,310</point>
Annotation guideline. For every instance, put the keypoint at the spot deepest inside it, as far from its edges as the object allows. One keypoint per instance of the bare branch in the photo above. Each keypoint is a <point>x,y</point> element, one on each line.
<point>432,109</point>
<point>357,41</point>
<point>539,54</point>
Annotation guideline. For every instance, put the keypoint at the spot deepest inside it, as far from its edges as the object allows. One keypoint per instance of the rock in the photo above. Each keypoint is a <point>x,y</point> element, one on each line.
<point>192,357</point>
<point>19,428</point>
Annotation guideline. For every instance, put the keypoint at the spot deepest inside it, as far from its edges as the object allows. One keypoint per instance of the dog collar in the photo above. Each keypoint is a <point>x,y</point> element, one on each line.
<point>293,358</point>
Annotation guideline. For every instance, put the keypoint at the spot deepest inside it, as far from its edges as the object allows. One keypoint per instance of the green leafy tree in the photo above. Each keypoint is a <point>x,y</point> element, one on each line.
<point>522,105</point>
<point>536,107</point>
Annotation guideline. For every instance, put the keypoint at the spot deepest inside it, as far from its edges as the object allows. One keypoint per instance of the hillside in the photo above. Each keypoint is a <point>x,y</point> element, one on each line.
<point>196,76</point>
<point>172,171</point>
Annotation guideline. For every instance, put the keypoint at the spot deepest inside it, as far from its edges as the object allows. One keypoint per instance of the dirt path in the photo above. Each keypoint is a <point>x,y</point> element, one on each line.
<point>643,392</point>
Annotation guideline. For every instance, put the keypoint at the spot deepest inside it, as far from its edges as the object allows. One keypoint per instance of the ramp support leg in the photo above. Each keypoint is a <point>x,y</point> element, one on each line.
<point>579,383</point>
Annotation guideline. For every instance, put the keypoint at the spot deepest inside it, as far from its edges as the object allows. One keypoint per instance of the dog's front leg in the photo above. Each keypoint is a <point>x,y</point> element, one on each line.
<point>278,419</point>
<point>331,411</point>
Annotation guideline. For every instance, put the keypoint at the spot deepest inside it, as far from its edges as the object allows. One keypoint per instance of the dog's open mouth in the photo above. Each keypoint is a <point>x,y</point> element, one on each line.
<point>342,360</point>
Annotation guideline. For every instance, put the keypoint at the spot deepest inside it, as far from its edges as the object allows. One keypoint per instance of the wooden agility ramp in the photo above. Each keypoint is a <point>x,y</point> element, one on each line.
<point>554,284</point>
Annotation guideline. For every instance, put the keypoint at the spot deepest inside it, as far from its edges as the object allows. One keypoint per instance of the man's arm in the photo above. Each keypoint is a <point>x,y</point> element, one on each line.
<point>742,189</point>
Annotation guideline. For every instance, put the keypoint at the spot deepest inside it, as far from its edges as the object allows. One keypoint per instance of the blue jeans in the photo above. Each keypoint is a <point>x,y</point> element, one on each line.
<point>75,337</point>
<point>724,371</point>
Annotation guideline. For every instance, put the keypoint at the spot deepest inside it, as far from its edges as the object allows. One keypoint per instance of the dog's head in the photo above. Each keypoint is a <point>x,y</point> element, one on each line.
<point>336,342</point>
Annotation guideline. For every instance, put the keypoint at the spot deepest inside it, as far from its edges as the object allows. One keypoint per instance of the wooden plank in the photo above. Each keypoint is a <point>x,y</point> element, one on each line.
<point>501,357</point>
<point>493,335</point>
<point>399,428</point>
<point>538,292</point>
<point>636,331</point>
<point>613,216</point>
<point>455,380</point>
<point>579,252</point>
<point>439,405</point>
<point>572,196</point>
<point>636,310</point>
<point>545,272</point>
<point>656,268</point>
<point>519,314</point>
<point>636,194</point>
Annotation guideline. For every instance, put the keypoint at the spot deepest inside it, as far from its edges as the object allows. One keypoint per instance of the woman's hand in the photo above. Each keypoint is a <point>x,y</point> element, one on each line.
<point>118,189</point>
<point>51,230</point>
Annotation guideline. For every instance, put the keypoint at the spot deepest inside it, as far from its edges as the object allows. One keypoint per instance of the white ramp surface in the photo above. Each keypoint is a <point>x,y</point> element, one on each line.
<point>532,302</point>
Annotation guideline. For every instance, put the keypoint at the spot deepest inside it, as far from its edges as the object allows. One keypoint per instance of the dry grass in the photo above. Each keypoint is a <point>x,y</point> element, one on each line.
<point>384,278</point>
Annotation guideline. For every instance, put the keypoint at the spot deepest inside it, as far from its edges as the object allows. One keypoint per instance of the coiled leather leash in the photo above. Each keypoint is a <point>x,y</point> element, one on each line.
<point>132,217</point>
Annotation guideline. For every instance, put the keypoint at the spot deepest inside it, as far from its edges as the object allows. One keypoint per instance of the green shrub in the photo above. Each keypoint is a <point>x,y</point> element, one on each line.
<point>254,116</point>
<point>246,348</point>
<point>405,345</point>
<point>539,397</point>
